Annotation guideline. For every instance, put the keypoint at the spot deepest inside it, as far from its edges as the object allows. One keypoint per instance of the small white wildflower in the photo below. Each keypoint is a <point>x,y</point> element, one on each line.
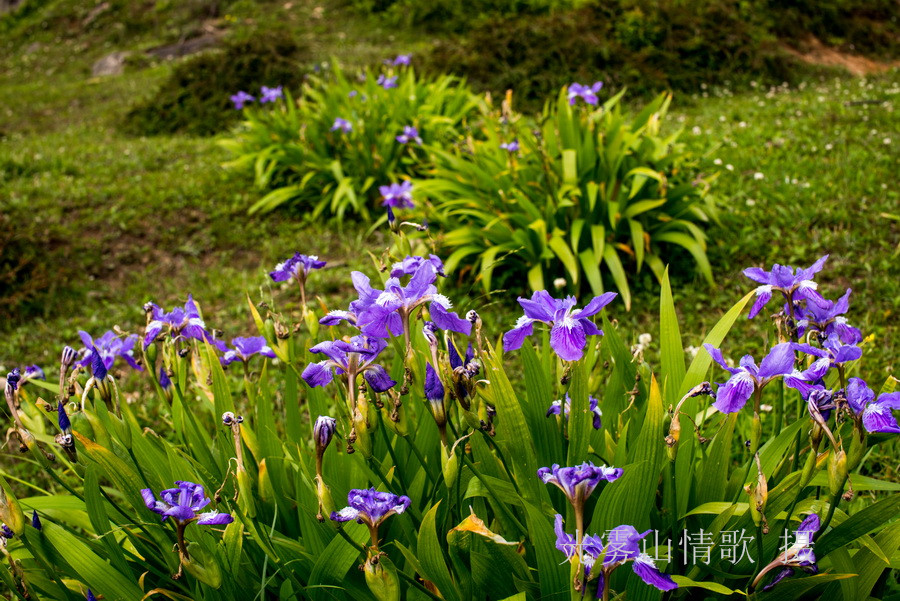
<point>758,176</point>
<point>742,124</point>
<point>886,141</point>
<point>730,167</point>
<point>559,283</point>
<point>696,130</point>
<point>717,162</point>
<point>644,339</point>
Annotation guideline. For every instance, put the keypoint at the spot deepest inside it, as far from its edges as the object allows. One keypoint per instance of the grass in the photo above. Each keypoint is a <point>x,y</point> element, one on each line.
<point>132,219</point>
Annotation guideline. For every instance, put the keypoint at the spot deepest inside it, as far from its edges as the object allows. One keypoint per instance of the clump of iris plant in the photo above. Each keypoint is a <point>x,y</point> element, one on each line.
<point>569,327</point>
<point>184,504</point>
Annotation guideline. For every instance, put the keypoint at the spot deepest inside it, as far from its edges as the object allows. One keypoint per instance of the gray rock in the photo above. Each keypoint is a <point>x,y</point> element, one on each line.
<point>111,64</point>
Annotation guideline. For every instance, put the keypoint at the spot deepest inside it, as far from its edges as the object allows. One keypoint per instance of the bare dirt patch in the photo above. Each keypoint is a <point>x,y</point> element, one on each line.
<point>814,52</point>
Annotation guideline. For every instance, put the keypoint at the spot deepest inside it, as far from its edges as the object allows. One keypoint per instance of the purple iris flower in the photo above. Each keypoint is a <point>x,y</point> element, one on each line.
<point>33,372</point>
<point>109,346</point>
<point>622,547</point>
<point>12,379</point>
<point>398,196</point>
<point>580,481</point>
<point>343,125</point>
<point>410,134</point>
<point>510,146</point>
<point>184,322</point>
<point>410,265</point>
<point>833,352</point>
<point>793,284</point>
<point>370,507</point>
<point>245,348</point>
<point>323,431</point>
<point>379,318</point>
<point>387,82</point>
<point>6,531</point>
<point>240,99</point>
<point>828,319</point>
<point>586,93</point>
<point>164,381</point>
<point>401,60</point>
<point>89,596</point>
<point>367,297</point>
<point>98,367</point>
<point>557,408</point>
<point>798,556</point>
<point>747,378</point>
<point>270,94</point>
<point>297,267</point>
<point>62,417</point>
<point>569,327</point>
<point>36,521</point>
<point>351,357</point>
<point>877,415</point>
<point>184,503</point>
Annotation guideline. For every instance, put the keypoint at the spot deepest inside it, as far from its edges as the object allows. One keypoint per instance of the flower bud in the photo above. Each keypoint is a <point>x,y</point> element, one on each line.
<point>326,503</point>
<point>323,432</point>
<point>434,394</point>
<point>857,449</point>
<point>230,419</point>
<point>430,332</point>
<point>837,471</point>
<point>10,510</point>
<point>68,357</point>
<point>245,493</point>
<point>449,465</point>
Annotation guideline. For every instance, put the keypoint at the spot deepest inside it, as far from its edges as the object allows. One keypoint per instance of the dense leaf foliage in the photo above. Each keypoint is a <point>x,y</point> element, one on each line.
<point>331,150</point>
<point>450,466</point>
<point>582,193</point>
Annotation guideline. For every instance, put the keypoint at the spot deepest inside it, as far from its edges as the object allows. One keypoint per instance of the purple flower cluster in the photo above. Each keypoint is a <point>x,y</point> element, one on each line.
<point>266,95</point>
<point>622,546</point>
<point>355,356</point>
<point>397,196</point>
<point>794,284</point>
